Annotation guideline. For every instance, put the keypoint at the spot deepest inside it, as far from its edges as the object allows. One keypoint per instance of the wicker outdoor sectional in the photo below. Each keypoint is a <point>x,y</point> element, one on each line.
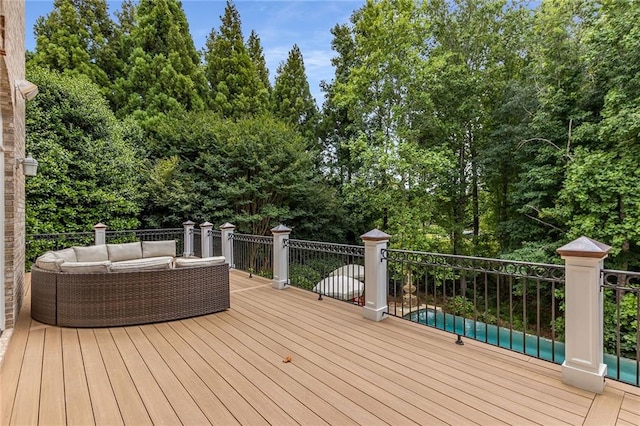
<point>128,297</point>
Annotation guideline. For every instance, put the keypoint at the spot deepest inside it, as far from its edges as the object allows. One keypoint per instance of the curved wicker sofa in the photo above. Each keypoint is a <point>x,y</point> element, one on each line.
<point>128,297</point>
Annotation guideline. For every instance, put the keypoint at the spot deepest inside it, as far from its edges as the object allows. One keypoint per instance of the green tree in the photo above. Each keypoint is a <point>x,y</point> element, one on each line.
<point>168,194</point>
<point>381,89</point>
<point>600,192</point>
<point>265,176</point>
<point>75,37</point>
<point>477,49</point>
<point>336,128</point>
<point>252,172</point>
<point>237,89</point>
<point>88,172</point>
<point>555,76</point>
<point>292,100</point>
<point>257,57</point>
<point>163,73</point>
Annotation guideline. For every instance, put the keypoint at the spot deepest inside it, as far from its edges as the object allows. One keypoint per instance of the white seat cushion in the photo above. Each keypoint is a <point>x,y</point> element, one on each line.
<point>85,267</point>
<point>92,253</point>
<point>125,251</point>
<point>192,262</point>
<point>159,248</point>
<point>147,264</point>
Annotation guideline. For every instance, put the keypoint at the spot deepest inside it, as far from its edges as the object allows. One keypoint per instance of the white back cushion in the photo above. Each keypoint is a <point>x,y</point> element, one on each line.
<point>92,253</point>
<point>159,248</point>
<point>125,251</point>
<point>68,255</point>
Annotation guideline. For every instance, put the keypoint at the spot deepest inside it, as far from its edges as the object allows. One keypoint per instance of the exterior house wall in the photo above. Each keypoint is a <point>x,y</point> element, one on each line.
<point>12,148</point>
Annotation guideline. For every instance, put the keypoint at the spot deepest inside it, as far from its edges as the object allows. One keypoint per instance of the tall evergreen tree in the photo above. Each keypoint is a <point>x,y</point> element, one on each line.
<point>292,101</point>
<point>75,38</point>
<point>257,57</point>
<point>236,87</point>
<point>163,74</point>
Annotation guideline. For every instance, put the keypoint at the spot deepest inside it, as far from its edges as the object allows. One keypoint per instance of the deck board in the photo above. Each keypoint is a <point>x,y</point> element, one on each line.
<point>271,412</point>
<point>157,405</point>
<point>103,400</point>
<point>227,369</point>
<point>605,409</point>
<point>52,406</point>
<point>130,404</point>
<point>76,391</point>
<point>27,399</point>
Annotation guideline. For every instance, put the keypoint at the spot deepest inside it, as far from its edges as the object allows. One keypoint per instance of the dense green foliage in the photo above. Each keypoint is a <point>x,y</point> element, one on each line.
<point>478,127</point>
<point>88,168</point>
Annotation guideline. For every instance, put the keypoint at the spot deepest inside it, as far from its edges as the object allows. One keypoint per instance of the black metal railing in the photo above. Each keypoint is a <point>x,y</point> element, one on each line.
<point>217,242</point>
<point>621,290</point>
<point>333,270</point>
<point>197,242</point>
<point>253,254</point>
<point>515,305</point>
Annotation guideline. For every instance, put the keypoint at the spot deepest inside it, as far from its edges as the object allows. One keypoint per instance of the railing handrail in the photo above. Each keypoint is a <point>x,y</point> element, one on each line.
<point>265,239</point>
<point>165,230</point>
<point>506,267</point>
<point>328,247</point>
<point>457,256</point>
<point>628,285</point>
<point>57,234</point>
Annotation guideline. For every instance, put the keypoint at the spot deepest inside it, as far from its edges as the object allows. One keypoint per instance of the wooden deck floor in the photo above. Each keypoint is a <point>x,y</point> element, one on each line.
<point>228,368</point>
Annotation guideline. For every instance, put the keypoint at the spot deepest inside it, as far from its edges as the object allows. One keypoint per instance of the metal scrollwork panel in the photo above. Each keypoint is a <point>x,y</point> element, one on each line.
<point>477,264</point>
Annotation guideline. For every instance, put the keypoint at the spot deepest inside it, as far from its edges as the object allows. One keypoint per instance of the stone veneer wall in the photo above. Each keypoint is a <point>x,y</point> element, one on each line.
<point>12,108</point>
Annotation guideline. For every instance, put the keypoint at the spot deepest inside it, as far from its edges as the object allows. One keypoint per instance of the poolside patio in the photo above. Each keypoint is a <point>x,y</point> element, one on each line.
<point>228,368</point>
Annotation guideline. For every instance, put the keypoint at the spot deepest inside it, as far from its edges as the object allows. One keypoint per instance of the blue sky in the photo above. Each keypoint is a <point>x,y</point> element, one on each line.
<point>279,25</point>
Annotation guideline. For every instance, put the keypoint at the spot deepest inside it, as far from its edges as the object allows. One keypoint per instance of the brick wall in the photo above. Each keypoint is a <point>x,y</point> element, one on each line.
<point>12,108</point>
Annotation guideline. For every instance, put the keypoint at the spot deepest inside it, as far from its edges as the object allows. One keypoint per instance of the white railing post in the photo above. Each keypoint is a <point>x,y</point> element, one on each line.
<point>375,275</point>
<point>206,239</point>
<point>280,257</point>
<point>188,238</point>
<point>100,233</point>
<point>583,366</point>
<point>227,243</point>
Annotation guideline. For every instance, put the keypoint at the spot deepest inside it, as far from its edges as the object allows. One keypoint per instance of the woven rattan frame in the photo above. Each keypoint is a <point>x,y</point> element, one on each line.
<point>127,298</point>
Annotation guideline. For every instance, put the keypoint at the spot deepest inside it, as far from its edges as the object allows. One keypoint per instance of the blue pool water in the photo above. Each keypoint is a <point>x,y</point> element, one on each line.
<point>517,341</point>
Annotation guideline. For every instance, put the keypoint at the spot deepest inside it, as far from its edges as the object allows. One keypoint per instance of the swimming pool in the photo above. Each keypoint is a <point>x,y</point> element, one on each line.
<point>517,341</point>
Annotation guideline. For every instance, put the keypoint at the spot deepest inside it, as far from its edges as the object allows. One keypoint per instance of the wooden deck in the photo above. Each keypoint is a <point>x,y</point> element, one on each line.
<point>228,368</point>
